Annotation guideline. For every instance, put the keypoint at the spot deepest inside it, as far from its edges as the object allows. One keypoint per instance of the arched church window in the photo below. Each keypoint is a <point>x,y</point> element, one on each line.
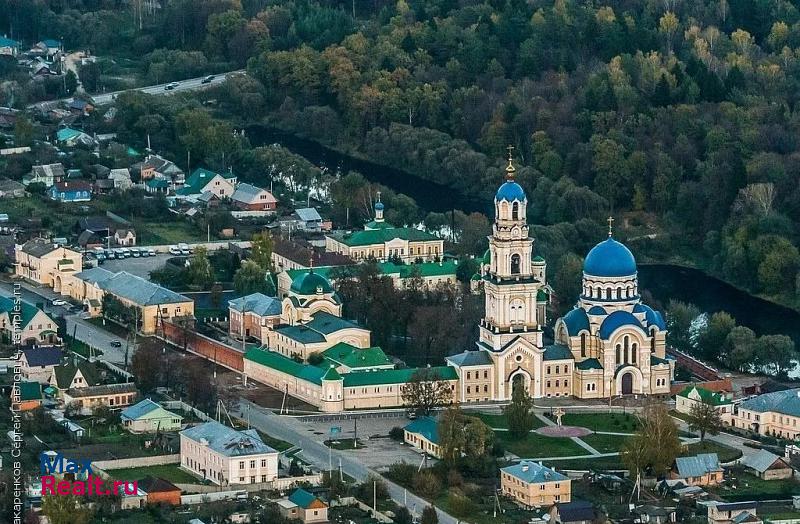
<point>515,211</point>
<point>599,295</point>
<point>653,340</point>
<point>583,345</point>
<point>619,354</point>
<point>608,293</point>
<point>619,292</point>
<point>630,292</point>
<point>515,264</point>
<point>625,345</point>
<point>634,350</point>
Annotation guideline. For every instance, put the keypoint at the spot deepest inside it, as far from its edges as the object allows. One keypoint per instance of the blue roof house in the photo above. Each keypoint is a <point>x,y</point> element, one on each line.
<point>700,470</point>
<point>73,191</point>
<point>8,47</point>
<point>534,485</point>
<point>423,434</point>
<point>149,417</point>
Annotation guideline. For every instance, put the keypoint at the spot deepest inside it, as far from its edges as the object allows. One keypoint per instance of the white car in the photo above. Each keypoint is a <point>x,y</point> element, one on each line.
<point>174,250</point>
<point>151,252</point>
<point>59,302</point>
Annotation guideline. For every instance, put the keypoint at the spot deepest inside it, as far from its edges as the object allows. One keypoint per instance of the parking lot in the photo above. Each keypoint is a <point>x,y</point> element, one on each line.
<point>141,266</point>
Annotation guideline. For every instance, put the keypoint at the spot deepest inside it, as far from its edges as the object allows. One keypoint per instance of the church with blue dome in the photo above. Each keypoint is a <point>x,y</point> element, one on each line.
<point>610,344</point>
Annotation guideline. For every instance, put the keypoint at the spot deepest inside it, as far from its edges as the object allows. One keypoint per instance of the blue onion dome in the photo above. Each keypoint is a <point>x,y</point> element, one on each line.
<point>616,320</point>
<point>576,321</point>
<point>610,259</point>
<point>510,191</point>
<point>310,283</point>
<point>379,206</point>
<point>597,310</point>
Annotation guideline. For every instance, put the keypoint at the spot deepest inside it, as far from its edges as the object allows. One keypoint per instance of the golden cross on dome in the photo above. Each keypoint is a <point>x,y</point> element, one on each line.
<point>610,221</point>
<point>510,169</point>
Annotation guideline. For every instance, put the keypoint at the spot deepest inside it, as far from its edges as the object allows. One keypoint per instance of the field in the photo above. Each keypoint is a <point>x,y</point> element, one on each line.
<point>726,453</point>
<point>744,486</point>
<point>498,420</point>
<point>605,443</point>
<point>170,472</point>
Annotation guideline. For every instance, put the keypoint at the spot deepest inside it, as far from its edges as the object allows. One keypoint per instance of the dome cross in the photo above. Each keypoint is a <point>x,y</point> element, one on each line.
<point>610,221</point>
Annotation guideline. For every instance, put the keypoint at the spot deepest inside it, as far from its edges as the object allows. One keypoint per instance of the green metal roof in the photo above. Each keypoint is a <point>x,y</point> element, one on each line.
<point>706,396</point>
<point>375,224</point>
<point>302,498</point>
<point>286,365</point>
<point>425,426</point>
<point>198,179</point>
<point>424,269</point>
<point>381,236</point>
<point>395,376</point>
<point>331,374</point>
<point>589,363</point>
<point>348,355</point>
<point>30,391</point>
<point>557,352</point>
<point>65,374</point>
<point>309,282</point>
<point>27,311</point>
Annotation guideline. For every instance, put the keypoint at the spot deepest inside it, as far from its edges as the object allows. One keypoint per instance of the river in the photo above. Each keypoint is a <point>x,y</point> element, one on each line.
<point>429,196</point>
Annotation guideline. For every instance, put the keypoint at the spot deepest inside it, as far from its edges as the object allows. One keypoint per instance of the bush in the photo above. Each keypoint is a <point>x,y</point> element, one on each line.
<point>397,433</point>
<point>454,479</point>
<point>402,473</point>
<point>427,484</point>
<point>460,505</point>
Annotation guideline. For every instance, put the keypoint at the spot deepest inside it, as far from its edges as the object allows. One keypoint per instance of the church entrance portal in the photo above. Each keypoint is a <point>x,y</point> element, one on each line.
<point>627,383</point>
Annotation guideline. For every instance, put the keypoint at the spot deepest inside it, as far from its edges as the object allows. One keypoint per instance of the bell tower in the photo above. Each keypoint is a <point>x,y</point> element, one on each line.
<point>512,282</point>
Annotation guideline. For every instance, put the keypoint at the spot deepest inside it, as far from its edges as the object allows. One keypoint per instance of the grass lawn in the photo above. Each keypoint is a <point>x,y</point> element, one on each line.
<point>726,453</point>
<point>534,446</point>
<point>150,233</point>
<point>170,472</point>
<point>744,486</point>
<point>616,422</point>
<point>605,443</point>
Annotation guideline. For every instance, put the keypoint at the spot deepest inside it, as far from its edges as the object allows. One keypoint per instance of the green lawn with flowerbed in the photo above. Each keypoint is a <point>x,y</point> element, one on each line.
<point>614,422</point>
<point>535,446</point>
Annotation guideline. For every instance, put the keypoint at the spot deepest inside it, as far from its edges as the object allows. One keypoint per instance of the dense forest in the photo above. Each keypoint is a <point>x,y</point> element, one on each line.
<point>679,117</point>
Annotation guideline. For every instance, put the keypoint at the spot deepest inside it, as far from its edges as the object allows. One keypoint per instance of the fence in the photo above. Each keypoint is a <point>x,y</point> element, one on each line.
<point>279,484</point>
<point>352,501</point>
<point>183,406</point>
<point>137,462</point>
<point>201,498</point>
<point>204,346</point>
<point>697,368</point>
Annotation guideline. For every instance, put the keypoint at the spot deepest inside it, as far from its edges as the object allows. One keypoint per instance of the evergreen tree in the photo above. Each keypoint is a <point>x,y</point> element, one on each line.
<point>429,516</point>
<point>519,414</point>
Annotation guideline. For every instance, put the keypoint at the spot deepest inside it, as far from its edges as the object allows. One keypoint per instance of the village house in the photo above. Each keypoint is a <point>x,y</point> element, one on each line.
<point>299,254</point>
<point>651,514</point>
<point>154,166</point>
<point>43,262</point>
<point>72,191</point>
<point>47,174</point>
<point>30,324</point>
<point>533,485</point>
<point>26,396</point>
<point>114,396</point>
<point>247,197</point>
<point>305,219</point>
<point>733,513</point>
<point>700,470</point>
<point>691,396</point>
<point>160,491</point>
<point>423,434</point>
<point>226,456</point>
<point>575,512</point>
<point>768,466</point>
<point>303,506</point>
<point>37,364</point>
<point>157,186</point>
<point>69,137</point>
<point>147,416</point>
<point>8,47</point>
<point>71,376</point>
<point>776,414</point>
<point>11,189</point>
<point>125,237</point>
<point>222,185</point>
<point>48,47</point>
<point>121,178</point>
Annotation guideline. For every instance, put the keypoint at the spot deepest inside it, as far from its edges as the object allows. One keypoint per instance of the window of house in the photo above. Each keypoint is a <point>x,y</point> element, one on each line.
<point>241,464</point>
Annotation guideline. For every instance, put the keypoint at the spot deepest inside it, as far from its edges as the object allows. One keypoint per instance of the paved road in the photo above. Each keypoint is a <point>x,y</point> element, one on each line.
<point>83,330</point>
<point>291,430</point>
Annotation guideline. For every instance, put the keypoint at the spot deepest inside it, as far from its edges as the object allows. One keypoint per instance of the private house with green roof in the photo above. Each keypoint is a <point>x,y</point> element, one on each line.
<point>691,396</point>
<point>382,241</point>
<point>71,376</point>
<point>8,47</point>
<point>26,396</point>
<point>24,323</point>
<point>423,434</point>
<point>201,181</point>
<point>303,506</point>
<point>147,416</point>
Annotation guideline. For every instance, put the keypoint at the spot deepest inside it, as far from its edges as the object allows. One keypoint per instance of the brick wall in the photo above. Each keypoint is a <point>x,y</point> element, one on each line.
<point>208,348</point>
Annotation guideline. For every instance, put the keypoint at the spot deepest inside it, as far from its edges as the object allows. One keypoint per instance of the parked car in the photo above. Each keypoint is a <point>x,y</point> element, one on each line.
<point>116,344</point>
<point>126,252</point>
<point>118,253</point>
<point>208,79</point>
<point>171,86</point>
<point>151,252</point>
<point>59,302</point>
<point>174,250</point>
<point>135,252</point>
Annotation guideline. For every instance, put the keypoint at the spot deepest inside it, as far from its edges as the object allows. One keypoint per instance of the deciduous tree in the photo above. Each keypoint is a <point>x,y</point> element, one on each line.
<point>705,419</point>
<point>425,391</point>
<point>519,413</point>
